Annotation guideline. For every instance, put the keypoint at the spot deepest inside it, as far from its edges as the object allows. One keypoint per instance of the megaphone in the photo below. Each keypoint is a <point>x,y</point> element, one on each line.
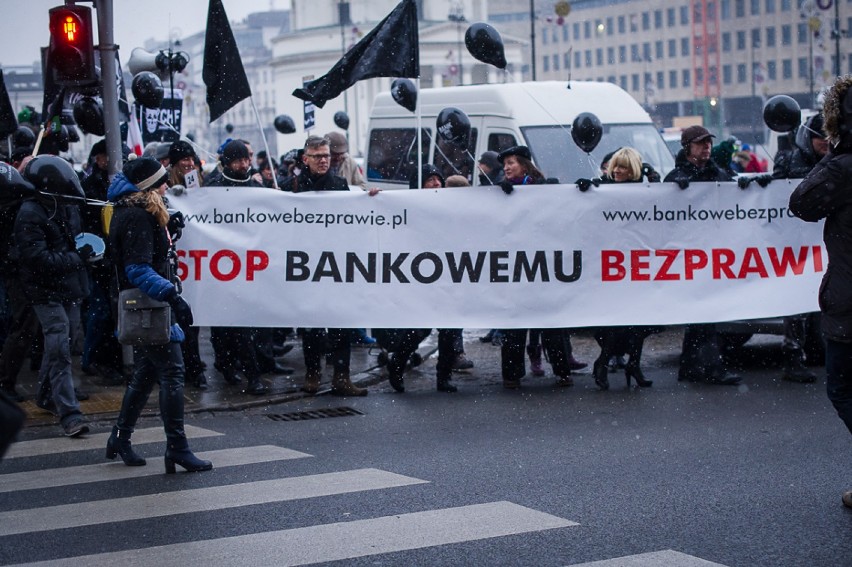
<point>141,60</point>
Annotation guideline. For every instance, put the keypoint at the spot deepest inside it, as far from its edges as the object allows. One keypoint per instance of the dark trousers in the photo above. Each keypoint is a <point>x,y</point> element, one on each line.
<point>234,350</point>
<point>19,341</point>
<point>191,354</point>
<point>447,349</point>
<point>316,343</point>
<point>838,370</point>
<point>701,356</point>
<point>513,352</point>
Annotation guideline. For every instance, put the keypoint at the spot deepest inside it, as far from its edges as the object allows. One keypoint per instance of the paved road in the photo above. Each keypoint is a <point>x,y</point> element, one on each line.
<point>675,475</point>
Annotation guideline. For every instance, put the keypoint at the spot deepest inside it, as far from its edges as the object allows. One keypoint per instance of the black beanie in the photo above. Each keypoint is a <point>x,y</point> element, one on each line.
<point>146,173</point>
<point>232,151</point>
<point>180,149</point>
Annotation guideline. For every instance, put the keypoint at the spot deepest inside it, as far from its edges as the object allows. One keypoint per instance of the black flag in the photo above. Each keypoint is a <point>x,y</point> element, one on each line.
<point>223,71</point>
<point>8,122</point>
<point>391,49</point>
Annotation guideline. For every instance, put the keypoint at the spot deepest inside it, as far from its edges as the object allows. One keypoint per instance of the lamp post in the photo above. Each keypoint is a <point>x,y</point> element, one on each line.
<point>457,15</point>
<point>532,37</point>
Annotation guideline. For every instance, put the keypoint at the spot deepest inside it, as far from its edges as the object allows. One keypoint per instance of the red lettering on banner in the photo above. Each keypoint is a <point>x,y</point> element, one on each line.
<point>817,258</point>
<point>789,261</point>
<point>639,261</point>
<point>723,259</point>
<point>612,265</point>
<point>197,255</point>
<point>752,264</point>
<point>669,258</point>
<point>223,265</point>
<point>256,261</point>
<point>236,265</point>
<point>693,260</point>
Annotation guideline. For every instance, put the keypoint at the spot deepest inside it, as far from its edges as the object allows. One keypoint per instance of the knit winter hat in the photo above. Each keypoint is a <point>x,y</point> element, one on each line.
<point>233,151</point>
<point>491,160</point>
<point>146,173</point>
<point>180,149</point>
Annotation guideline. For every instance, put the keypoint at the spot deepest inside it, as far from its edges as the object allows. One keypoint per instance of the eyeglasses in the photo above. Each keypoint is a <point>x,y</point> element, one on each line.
<point>318,157</point>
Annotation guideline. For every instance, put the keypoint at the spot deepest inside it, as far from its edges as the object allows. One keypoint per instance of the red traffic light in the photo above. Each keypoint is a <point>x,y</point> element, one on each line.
<point>71,52</point>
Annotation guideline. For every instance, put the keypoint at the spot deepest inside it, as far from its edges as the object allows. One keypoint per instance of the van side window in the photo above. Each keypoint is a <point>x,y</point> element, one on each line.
<point>453,160</point>
<point>392,156</point>
<point>499,142</point>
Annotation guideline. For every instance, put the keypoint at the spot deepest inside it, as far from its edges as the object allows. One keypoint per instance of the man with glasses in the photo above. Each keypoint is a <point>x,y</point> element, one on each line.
<point>314,175</point>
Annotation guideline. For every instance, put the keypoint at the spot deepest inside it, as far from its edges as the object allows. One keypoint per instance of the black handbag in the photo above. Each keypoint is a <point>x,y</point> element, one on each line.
<point>142,321</point>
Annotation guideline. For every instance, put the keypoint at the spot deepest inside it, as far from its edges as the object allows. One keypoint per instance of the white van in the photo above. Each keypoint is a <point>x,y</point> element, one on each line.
<point>534,114</point>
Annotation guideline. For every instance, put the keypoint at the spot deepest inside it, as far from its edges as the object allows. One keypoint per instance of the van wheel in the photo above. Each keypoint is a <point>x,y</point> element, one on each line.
<point>814,346</point>
<point>733,341</point>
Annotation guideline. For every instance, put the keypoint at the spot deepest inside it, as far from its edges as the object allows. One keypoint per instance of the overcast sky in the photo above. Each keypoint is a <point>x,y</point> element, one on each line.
<point>23,26</point>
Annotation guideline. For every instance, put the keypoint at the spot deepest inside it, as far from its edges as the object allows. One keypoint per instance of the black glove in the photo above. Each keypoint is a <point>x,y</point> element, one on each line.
<point>182,311</point>
<point>175,224</point>
<point>763,180</point>
<point>551,181</point>
<point>86,252</point>
<point>743,182</point>
<point>650,173</point>
<point>507,187</point>
<point>681,182</point>
<point>583,184</point>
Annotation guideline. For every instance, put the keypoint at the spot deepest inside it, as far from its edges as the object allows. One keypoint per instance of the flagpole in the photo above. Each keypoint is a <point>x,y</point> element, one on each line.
<point>419,136</point>
<point>265,145</point>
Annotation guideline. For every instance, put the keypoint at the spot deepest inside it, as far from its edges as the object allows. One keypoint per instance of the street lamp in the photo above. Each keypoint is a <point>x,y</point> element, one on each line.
<point>457,15</point>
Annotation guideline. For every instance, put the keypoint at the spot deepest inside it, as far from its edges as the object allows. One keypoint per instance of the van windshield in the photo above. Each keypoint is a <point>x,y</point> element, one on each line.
<point>556,154</point>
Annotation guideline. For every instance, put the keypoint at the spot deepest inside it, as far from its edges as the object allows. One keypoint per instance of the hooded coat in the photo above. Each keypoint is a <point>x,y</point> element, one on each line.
<point>826,193</point>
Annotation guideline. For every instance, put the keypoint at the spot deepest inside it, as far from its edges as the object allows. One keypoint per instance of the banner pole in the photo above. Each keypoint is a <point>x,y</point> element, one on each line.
<point>265,144</point>
<point>419,140</point>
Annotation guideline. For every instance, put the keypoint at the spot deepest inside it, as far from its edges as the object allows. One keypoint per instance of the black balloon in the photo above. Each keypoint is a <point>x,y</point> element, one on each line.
<point>24,137</point>
<point>341,120</point>
<point>586,131</point>
<point>229,128</point>
<point>147,89</point>
<point>404,92</point>
<point>782,114</point>
<point>89,116</point>
<point>485,44</point>
<point>284,124</point>
<point>454,126</point>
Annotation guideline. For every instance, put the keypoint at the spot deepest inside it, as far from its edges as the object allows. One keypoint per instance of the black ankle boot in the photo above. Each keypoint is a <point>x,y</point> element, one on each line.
<point>256,387</point>
<point>633,371</point>
<point>444,385</point>
<point>119,444</point>
<point>600,371</point>
<point>178,453</point>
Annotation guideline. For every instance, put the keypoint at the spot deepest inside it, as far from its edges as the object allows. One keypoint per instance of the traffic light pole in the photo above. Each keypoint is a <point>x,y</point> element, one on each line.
<point>109,86</point>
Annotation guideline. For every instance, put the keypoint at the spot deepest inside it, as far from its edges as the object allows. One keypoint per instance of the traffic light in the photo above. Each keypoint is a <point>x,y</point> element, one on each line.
<point>71,54</point>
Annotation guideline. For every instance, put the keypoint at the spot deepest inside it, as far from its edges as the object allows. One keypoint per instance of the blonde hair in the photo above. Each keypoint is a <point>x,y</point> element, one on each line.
<point>152,202</point>
<point>629,158</point>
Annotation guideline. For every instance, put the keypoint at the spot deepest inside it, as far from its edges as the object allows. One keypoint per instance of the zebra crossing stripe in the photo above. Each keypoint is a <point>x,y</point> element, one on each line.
<point>667,558</point>
<point>339,541</point>
<point>51,478</point>
<point>96,441</point>
<point>198,500</point>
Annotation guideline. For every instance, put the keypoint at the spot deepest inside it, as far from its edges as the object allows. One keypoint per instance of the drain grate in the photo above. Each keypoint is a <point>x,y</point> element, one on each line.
<point>314,414</point>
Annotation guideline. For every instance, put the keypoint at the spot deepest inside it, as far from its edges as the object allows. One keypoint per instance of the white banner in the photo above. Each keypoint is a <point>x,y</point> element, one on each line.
<point>544,256</point>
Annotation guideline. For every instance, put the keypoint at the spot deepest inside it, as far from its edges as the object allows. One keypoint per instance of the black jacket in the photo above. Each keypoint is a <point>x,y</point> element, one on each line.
<point>49,267</point>
<point>826,193</point>
<point>228,178</point>
<point>307,182</point>
<point>687,171</point>
<point>794,164</point>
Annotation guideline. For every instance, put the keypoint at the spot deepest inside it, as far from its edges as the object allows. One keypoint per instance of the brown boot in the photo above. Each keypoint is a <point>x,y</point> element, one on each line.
<point>312,381</point>
<point>341,385</point>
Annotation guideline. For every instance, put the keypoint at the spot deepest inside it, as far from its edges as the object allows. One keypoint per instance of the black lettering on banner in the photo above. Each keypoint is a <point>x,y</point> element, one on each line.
<point>539,263</point>
<point>464,265</point>
<point>392,267</point>
<point>367,272</point>
<point>437,267</point>
<point>497,267</point>
<point>559,269</point>
<point>296,268</point>
<point>327,267</point>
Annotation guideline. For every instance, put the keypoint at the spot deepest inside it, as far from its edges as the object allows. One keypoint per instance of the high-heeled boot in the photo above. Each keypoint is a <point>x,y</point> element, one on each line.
<point>534,352</point>
<point>635,342</point>
<point>632,370</point>
<point>444,384</point>
<point>178,453</point>
<point>119,444</point>
<point>601,372</point>
<point>396,368</point>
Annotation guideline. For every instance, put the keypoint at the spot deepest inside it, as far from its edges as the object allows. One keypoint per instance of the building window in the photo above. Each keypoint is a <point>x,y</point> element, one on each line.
<point>661,80</point>
<point>578,59</point>
<point>726,74</point>
<point>658,49</point>
<point>770,6</point>
<point>646,21</point>
<point>685,75</point>
<point>725,9</point>
<point>786,35</point>
<point>588,58</point>
<point>739,8</point>
<point>646,51</point>
<point>576,29</point>
<point>599,57</point>
<point>546,64</point>
<point>587,29</point>
<point>634,82</point>
<point>672,79</point>
<point>803,67</point>
<point>609,26</point>
<point>755,37</point>
<point>684,15</point>
<point>755,7</point>
<point>786,5</point>
<point>699,76</point>
<point>598,27</point>
<point>684,46</point>
<point>564,33</point>
<point>696,14</point>
<point>672,48</point>
<point>566,60</point>
<point>771,70</point>
<point>658,19</point>
<point>670,17</point>
<point>726,41</point>
<point>622,54</point>
<point>787,69</point>
<point>611,79</point>
<point>770,37</point>
<point>544,36</point>
<point>610,56</point>
<point>555,61</point>
<point>802,33</point>
<point>741,40</point>
<point>620,24</point>
<point>741,73</point>
<point>622,82</point>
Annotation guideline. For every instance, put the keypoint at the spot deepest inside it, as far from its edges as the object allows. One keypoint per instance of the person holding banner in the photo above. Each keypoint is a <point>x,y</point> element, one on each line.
<point>624,166</point>
<point>826,193</point>
<point>701,357</point>
<point>520,170</point>
<point>313,175</point>
<point>182,163</point>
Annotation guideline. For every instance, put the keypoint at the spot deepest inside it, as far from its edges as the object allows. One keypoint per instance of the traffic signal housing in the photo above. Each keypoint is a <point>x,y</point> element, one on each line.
<point>71,54</point>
